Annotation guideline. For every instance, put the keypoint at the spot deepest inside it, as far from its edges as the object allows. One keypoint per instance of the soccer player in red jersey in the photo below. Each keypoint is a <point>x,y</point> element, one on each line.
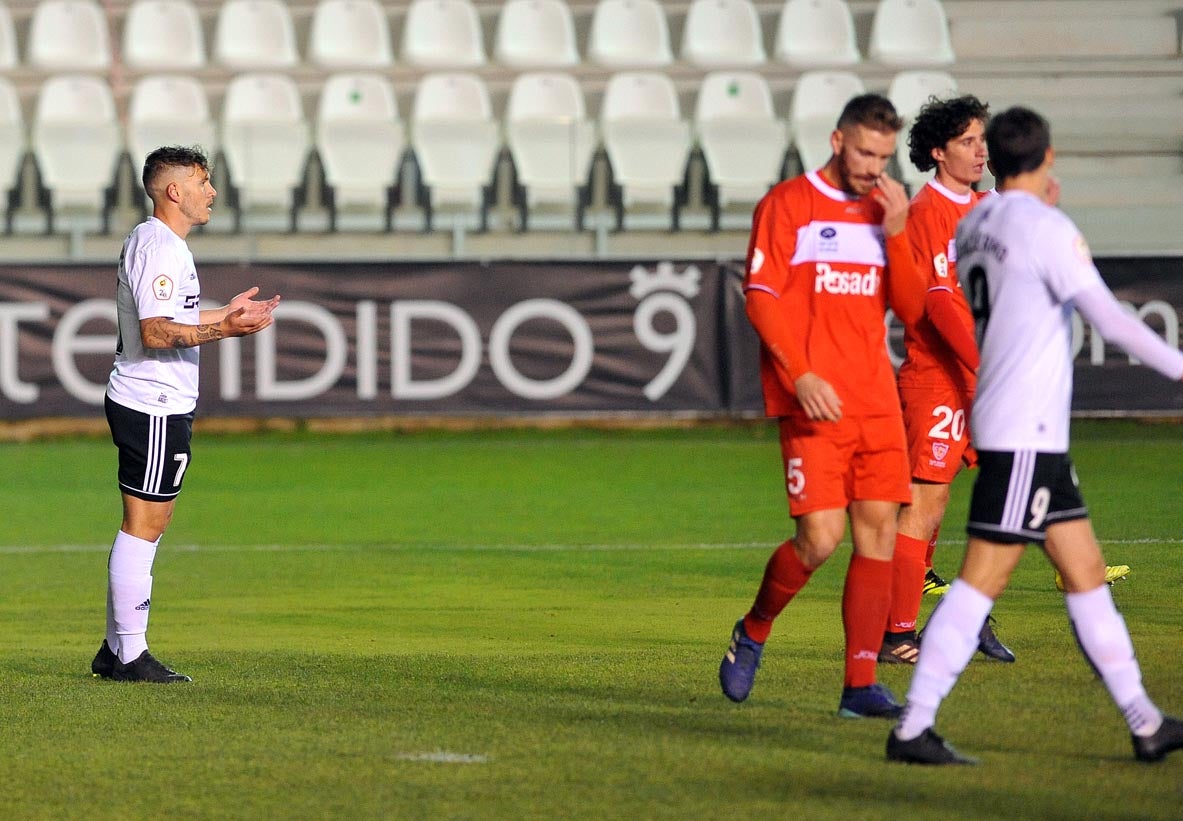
<point>939,374</point>
<point>828,254</point>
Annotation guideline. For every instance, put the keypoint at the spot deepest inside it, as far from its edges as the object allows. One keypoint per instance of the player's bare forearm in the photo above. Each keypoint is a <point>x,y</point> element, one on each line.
<point>160,332</point>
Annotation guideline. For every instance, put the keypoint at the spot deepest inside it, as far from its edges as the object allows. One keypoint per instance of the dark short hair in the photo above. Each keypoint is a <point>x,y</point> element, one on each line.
<point>873,111</point>
<point>171,156</point>
<point>1018,140</point>
<point>940,121</point>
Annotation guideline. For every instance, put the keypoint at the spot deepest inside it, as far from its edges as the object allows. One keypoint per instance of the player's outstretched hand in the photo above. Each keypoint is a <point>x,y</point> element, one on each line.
<point>246,300</point>
<point>245,315</point>
<point>818,398</point>
<point>894,198</point>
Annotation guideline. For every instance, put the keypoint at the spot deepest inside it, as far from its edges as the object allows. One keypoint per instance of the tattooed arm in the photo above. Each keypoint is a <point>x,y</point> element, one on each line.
<point>242,317</point>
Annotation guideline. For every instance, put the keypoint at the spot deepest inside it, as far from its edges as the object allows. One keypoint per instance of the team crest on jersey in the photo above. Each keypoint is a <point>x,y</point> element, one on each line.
<point>941,264</point>
<point>163,287</point>
<point>940,450</point>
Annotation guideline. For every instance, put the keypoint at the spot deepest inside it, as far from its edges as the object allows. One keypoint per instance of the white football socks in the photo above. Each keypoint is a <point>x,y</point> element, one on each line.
<point>1106,644</point>
<point>950,640</point>
<point>129,595</point>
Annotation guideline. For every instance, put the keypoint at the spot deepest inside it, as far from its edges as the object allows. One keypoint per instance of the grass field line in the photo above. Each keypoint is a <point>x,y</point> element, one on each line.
<point>507,547</point>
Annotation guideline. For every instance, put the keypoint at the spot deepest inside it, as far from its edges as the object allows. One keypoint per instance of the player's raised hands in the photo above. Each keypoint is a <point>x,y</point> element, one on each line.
<point>246,315</point>
<point>892,195</point>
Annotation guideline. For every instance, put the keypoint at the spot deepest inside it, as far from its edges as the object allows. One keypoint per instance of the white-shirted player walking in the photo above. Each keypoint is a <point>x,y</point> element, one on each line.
<point>1025,267</point>
<point>152,392</point>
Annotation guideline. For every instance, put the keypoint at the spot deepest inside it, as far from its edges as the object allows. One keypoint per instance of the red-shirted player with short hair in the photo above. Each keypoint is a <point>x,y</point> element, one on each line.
<point>828,253</point>
<point>939,374</point>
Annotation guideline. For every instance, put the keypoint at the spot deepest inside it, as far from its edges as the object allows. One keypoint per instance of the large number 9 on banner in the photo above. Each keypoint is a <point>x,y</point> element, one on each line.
<point>677,344</point>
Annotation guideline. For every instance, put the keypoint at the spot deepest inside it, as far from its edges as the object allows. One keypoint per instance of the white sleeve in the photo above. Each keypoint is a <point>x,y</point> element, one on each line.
<point>1117,325</point>
<point>1069,263</point>
<point>152,275</point>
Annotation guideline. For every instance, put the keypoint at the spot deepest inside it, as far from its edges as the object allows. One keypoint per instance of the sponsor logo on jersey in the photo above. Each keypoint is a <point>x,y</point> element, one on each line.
<point>828,240</point>
<point>854,283</point>
<point>192,301</point>
<point>163,287</point>
<point>951,254</point>
<point>757,261</point>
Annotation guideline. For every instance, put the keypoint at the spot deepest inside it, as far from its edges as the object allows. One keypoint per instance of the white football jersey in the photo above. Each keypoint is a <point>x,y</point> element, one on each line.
<point>1021,262</point>
<point>157,277</point>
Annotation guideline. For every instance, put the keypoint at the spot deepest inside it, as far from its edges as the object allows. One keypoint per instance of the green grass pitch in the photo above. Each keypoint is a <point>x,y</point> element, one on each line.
<point>528,624</point>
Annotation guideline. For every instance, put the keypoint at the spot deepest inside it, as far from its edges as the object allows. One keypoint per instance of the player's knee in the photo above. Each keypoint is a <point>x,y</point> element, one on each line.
<point>813,548</point>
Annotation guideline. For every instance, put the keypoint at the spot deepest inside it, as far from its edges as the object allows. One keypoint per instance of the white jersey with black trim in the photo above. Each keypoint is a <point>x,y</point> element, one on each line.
<point>1021,262</point>
<point>157,277</point>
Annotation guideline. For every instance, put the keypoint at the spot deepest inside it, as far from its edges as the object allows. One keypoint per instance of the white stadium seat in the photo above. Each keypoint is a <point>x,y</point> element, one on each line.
<point>12,136</point>
<point>441,34</point>
<point>816,34</point>
<point>264,140</point>
<point>350,34</point>
<point>742,141</point>
<point>8,50</point>
<point>535,34</point>
<point>910,33</point>
<point>360,139</point>
<point>722,34</point>
<point>818,99</point>
<point>456,142</point>
<point>255,34</point>
<point>647,141</point>
<point>163,35</point>
<point>551,140</point>
<point>1139,32</point>
<point>908,92</point>
<point>76,142</point>
<point>629,34</point>
<point>69,35</point>
<point>168,109</point>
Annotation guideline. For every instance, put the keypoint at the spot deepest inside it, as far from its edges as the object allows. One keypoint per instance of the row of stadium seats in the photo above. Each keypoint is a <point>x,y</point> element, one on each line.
<point>359,137</point>
<point>249,35</point>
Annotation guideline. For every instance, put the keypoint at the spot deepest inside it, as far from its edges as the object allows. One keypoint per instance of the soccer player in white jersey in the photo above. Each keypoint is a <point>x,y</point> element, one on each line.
<point>1025,267</point>
<point>152,392</point>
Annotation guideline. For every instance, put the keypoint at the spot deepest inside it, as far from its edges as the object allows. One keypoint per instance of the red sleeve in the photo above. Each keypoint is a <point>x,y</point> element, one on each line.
<point>942,313</point>
<point>768,279</point>
<point>786,349</point>
<point>905,282</point>
<point>772,244</point>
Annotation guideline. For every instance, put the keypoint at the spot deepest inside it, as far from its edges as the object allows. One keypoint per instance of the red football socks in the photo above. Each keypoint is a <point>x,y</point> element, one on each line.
<point>932,546</point>
<point>907,583</point>
<point>784,576</point>
<point>866,598</point>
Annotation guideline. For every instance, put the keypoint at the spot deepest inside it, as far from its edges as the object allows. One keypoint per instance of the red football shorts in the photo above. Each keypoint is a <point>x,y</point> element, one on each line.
<point>937,422</point>
<point>828,465</point>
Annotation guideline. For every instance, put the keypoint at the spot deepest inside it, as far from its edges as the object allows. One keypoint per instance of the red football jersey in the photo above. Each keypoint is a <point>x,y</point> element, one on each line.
<point>932,222</point>
<point>821,253</point>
